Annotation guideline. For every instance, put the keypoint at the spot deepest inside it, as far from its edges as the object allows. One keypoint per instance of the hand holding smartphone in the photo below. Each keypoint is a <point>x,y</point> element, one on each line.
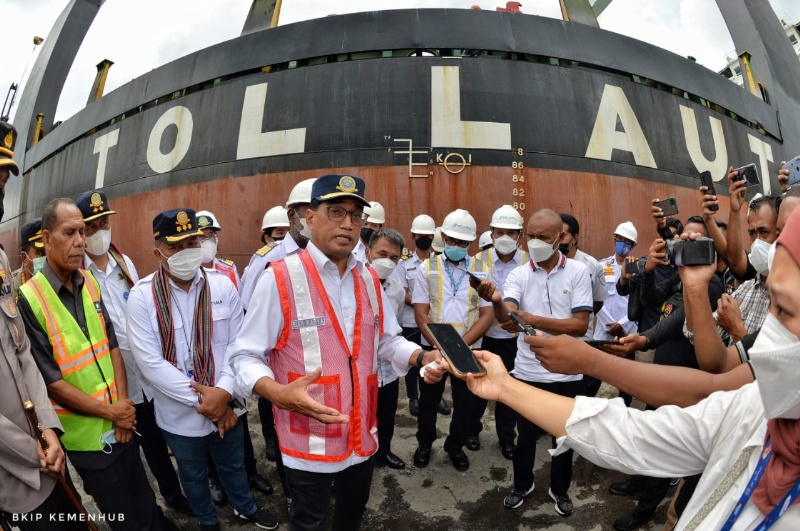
<point>669,206</point>
<point>522,323</point>
<point>453,348</point>
<point>747,173</point>
<point>793,166</point>
<point>708,182</point>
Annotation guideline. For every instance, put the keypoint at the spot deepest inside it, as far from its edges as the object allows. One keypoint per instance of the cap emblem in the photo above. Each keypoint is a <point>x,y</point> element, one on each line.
<point>347,184</point>
<point>96,203</point>
<point>183,222</point>
<point>203,221</point>
<point>9,140</point>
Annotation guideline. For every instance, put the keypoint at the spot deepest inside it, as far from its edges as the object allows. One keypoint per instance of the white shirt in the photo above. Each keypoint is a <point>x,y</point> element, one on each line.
<point>285,247</point>
<point>557,295</point>
<point>708,437</point>
<point>455,303</point>
<point>114,290</point>
<point>360,252</point>
<point>498,273</point>
<point>263,324</point>
<point>396,297</point>
<point>599,291</point>
<point>406,274</point>
<point>615,307</point>
<point>175,401</point>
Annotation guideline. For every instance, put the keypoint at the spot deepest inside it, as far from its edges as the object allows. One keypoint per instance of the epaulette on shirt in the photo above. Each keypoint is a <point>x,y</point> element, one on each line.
<point>226,262</point>
<point>267,248</point>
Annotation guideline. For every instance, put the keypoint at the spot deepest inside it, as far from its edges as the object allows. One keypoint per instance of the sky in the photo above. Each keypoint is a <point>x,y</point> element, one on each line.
<point>140,35</point>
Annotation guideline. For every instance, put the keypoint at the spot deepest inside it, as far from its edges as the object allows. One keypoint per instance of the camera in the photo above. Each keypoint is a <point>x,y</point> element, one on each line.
<point>691,252</point>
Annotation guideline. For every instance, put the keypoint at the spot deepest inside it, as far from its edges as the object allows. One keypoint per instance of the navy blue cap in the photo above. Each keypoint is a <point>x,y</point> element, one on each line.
<point>176,225</point>
<point>93,204</point>
<point>338,186</point>
<point>8,137</point>
<point>31,234</point>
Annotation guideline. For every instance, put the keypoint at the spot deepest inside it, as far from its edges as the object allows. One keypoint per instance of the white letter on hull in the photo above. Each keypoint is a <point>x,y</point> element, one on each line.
<point>719,165</point>
<point>181,117</point>
<point>764,152</point>
<point>605,137</point>
<point>255,143</point>
<point>447,128</point>
<point>101,145</point>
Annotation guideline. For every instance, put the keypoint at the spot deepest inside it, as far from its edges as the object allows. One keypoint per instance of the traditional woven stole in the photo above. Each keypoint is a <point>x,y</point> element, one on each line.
<point>116,254</point>
<point>203,356</point>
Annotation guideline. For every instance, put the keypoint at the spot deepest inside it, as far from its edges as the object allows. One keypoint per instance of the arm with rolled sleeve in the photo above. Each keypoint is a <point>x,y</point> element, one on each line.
<point>145,345</point>
<point>421,299</point>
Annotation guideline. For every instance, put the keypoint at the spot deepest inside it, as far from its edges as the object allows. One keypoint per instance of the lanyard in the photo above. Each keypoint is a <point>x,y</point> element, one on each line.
<point>777,511</point>
<point>188,362</point>
<point>455,285</point>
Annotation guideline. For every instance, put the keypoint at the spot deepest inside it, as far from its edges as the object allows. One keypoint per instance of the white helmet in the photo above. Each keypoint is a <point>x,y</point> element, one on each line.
<point>375,212</point>
<point>485,239</point>
<point>627,230</point>
<point>506,217</point>
<point>275,217</point>
<point>423,224</point>
<point>460,224</point>
<point>438,242</point>
<point>301,193</point>
<point>206,220</point>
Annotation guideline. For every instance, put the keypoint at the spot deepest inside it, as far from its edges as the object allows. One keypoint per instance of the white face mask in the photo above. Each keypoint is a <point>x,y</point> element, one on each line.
<point>771,255</point>
<point>183,265</point>
<point>98,243</point>
<point>384,267</point>
<point>540,250</point>
<point>775,358</point>
<point>209,248</point>
<point>759,256</point>
<point>505,245</point>
<point>303,228</point>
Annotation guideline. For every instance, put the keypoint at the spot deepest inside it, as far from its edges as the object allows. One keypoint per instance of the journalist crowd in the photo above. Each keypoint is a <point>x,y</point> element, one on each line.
<point>336,310</point>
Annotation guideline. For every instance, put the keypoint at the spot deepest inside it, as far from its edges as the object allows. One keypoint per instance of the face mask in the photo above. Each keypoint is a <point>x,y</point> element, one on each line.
<point>97,244</point>
<point>759,256</point>
<point>622,248</point>
<point>303,229</point>
<point>106,440</point>
<point>209,248</point>
<point>564,248</point>
<point>505,245</point>
<point>278,239</point>
<point>38,264</point>
<point>540,250</point>
<point>183,265</point>
<point>424,243</point>
<point>384,267</point>
<point>775,357</point>
<point>771,255</point>
<point>366,234</point>
<point>455,253</point>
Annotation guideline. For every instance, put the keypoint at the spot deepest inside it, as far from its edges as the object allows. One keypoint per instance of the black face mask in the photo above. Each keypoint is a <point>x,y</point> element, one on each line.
<point>366,234</point>
<point>279,238</point>
<point>564,248</point>
<point>424,243</point>
<point>2,208</point>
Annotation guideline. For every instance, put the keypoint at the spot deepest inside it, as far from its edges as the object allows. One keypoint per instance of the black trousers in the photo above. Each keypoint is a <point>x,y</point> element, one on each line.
<point>311,493</point>
<point>412,376</point>
<point>122,491</point>
<point>267,417</point>
<point>505,417</point>
<point>155,452</point>
<point>430,396</point>
<point>388,395</point>
<point>39,519</point>
<point>529,433</point>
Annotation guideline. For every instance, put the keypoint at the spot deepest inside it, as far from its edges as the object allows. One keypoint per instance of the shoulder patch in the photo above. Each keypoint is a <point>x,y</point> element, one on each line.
<point>267,248</point>
<point>226,262</point>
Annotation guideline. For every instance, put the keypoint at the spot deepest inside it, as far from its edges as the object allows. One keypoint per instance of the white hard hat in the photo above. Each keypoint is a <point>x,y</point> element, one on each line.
<point>506,217</point>
<point>485,239</point>
<point>376,213</point>
<point>423,224</point>
<point>627,230</point>
<point>301,193</point>
<point>460,224</point>
<point>438,242</point>
<point>206,220</point>
<point>275,217</point>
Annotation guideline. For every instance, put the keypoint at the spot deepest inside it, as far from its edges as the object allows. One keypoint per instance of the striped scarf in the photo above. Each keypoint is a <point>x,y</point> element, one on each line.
<point>116,254</point>
<point>202,357</point>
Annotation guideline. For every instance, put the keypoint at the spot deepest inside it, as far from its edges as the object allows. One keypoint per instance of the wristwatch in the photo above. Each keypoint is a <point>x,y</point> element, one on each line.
<point>420,357</point>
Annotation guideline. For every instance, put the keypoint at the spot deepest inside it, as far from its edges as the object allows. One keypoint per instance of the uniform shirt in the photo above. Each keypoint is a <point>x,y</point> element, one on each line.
<point>114,290</point>
<point>360,252</point>
<point>406,275</point>
<point>453,307</point>
<point>175,401</point>
<point>599,291</point>
<point>713,434</point>
<point>615,307</point>
<point>285,247</point>
<point>263,325</point>
<point>498,273</point>
<point>396,297</point>
<point>557,295</point>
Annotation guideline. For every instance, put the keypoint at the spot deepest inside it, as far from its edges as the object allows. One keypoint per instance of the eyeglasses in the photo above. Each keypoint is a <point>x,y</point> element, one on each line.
<point>453,242</point>
<point>337,213</point>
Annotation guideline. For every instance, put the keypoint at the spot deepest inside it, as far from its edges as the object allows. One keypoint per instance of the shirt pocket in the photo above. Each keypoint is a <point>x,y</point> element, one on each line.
<point>221,316</point>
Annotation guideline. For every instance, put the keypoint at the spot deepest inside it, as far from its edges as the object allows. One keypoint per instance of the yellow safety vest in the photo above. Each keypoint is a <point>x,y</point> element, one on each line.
<point>433,272</point>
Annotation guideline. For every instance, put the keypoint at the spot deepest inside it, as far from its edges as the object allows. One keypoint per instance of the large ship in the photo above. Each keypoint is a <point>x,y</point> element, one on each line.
<point>436,109</point>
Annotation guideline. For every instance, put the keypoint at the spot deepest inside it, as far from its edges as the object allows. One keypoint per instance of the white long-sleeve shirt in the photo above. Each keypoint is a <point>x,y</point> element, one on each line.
<point>285,247</point>
<point>615,307</point>
<point>673,442</point>
<point>263,324</point>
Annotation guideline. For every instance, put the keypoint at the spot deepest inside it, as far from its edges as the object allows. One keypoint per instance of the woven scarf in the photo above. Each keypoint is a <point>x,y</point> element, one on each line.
<point>203,356</point>
<point>116,254</point>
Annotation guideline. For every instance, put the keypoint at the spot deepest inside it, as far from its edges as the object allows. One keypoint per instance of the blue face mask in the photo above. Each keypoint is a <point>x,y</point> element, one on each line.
<point>106,440</point>
<point>622,248</point>
<point>455,253</point>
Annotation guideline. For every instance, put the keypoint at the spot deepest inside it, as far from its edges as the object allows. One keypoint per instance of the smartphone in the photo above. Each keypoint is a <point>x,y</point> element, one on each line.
<point>747,173</point>
<point>474,280</point>
<point>455,350</point>
<point>669,206</point>
<point>522,323</point>
<point>794,170</point>
<point>596,343</point>
<point>708,182</point>
<point>632,268</point>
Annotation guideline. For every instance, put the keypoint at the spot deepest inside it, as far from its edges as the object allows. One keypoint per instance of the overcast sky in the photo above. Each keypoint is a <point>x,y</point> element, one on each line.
<point>139,35</point>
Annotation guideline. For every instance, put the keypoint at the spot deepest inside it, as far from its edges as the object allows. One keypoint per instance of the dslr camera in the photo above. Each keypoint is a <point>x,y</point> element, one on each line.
<point>691,252</point>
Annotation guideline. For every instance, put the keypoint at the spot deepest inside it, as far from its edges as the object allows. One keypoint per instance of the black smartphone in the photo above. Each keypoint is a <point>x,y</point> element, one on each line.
<point>669,206</point>
<point>474,280</point>
<point>747,173</point>
<point>794,170</point>
<point>522,323</point>
<point>708,182</point>
<point>632,268</point>
<point>455,350</point>
<point>596,343</point>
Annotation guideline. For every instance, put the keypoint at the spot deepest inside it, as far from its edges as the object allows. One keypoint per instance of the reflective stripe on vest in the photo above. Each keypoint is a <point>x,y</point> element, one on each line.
<point>487,257</point>
<point>434,273</point>
<point>227,271</point>
<point>84,365</point>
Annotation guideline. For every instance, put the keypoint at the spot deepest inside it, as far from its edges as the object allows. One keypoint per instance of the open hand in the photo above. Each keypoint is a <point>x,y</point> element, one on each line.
<point>294,397</point>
